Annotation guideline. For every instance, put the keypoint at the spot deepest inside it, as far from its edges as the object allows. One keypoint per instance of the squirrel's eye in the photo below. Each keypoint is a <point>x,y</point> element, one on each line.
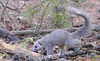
<point>35,46</point>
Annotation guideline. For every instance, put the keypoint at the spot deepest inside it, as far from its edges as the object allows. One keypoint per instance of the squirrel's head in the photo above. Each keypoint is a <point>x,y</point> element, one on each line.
<point>37,46</point>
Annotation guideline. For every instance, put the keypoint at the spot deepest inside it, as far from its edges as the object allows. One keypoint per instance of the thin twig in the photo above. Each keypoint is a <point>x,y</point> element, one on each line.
<point>4,8</point>
<point>69,2</point>
<point>43,16</point>
<point>38,5</point>
<point>8,7</point>
<point>11,20</point>
<point>70,18</point>
<point>30,18</point>
<point>22,6</point>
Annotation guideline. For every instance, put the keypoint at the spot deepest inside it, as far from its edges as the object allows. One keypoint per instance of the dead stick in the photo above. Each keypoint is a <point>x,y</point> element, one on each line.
<point>33,32</point>
<point>16,50</point>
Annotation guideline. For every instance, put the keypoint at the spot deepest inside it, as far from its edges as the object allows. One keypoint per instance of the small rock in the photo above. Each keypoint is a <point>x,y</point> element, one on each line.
<point>93,55</point>
<point>62,59</point>
<point>98,48</point>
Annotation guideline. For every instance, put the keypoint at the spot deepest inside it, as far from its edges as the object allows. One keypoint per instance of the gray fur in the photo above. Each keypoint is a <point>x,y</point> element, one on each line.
<point>38,46</point>
<point>57,37</point>
<point>62,37</point>
<point>86,29</point>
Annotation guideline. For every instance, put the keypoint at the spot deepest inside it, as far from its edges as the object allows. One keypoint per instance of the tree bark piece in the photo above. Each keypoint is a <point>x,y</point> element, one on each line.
<point>4,47</point>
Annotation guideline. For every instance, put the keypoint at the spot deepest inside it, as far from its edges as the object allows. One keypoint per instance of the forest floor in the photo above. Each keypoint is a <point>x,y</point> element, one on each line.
<point>93,7</point>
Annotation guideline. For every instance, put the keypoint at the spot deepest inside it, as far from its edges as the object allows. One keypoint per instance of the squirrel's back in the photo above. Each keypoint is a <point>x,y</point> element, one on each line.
<point>57,37</point>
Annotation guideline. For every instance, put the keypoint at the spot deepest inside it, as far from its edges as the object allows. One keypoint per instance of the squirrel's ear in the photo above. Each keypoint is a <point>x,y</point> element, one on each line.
<point>39,43</point>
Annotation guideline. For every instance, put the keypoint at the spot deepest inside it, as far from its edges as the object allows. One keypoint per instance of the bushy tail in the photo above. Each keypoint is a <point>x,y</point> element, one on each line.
<point>85,30</point>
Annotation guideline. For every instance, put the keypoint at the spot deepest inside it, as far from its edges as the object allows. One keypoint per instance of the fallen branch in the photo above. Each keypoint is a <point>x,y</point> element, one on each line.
<point>6,34</point>
<point>33,32</point>
<point>57,56</point>
<point>12,49</point>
